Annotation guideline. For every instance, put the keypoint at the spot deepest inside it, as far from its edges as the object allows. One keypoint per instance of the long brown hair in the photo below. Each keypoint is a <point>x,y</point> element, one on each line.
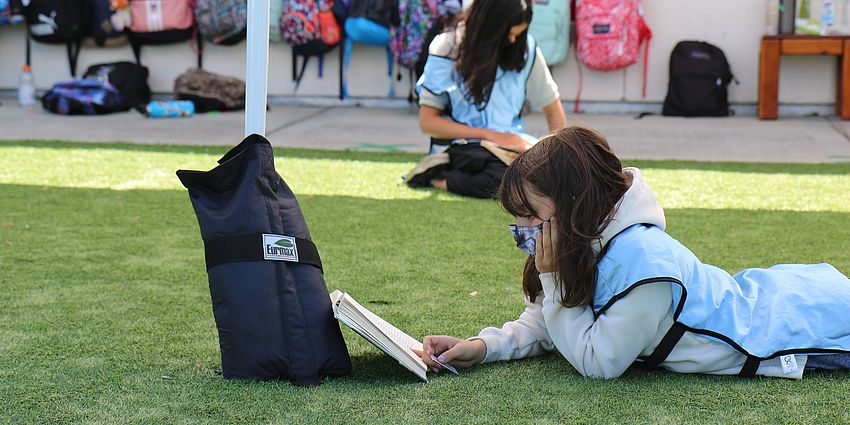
<point>577,170</point>
<point>485,47</point>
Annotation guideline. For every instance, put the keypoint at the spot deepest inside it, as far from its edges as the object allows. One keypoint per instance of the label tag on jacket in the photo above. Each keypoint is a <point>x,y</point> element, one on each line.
<point>279,248</point>
<point>789,364</point>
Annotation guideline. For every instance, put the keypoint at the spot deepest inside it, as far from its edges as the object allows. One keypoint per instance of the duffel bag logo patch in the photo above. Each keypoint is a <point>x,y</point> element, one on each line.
<point>279,248</point>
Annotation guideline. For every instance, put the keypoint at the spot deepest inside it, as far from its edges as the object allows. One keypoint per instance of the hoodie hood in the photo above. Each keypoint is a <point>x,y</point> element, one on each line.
<point>637,206</point>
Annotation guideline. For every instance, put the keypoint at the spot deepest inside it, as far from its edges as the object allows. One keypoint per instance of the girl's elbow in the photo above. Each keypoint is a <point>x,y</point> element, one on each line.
<point>600,374</point>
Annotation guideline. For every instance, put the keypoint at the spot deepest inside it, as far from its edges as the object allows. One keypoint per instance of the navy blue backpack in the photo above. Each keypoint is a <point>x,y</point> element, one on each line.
<point>270,302</point>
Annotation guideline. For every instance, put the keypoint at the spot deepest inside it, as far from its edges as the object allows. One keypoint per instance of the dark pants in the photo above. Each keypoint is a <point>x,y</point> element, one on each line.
<point>473,171</point>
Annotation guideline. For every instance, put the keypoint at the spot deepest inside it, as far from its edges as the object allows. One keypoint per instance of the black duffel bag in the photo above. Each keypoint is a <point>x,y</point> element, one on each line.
<point>270,302</point>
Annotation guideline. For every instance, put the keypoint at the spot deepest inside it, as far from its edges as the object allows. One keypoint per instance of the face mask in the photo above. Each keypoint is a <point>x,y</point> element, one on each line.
<point>525,237</point>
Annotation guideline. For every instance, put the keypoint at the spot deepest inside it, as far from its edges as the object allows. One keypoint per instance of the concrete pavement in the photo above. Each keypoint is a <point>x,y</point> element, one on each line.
<point>740,138</point>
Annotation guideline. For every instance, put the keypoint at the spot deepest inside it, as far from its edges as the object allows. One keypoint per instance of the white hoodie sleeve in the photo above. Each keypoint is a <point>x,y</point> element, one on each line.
<point>607,346</point>
<point>524,337</point>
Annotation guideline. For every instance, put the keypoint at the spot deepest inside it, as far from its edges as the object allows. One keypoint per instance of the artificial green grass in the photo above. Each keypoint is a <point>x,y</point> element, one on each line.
<point>105,314</point>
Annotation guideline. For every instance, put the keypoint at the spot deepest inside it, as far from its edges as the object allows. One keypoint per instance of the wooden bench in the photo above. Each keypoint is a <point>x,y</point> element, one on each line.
<point>772,47</point>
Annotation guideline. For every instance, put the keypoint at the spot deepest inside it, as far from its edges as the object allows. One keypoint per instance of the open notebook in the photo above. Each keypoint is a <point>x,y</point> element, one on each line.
<point>383,335</point>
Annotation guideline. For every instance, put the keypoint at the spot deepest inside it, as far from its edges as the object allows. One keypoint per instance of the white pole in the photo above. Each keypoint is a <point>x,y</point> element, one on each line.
<point>257,67</point>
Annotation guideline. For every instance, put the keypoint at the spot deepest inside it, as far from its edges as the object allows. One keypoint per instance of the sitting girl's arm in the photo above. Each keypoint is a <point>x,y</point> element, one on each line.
<point>433,123</point>
<point>555,117</point>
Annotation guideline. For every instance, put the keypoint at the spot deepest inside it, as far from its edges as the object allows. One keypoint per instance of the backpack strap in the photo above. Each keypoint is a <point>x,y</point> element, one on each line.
<point>29,47</point>
<point>343,68</point>
<point>321,65</point>
<point>73,49</point>
<point>199,43</point>
<point>297,77</point>
<point>411,84</point>
<point>137,50</point>
<point>580,80</point>
<point>390,62</point>
<point>645,35</point>
<point>341,63</point>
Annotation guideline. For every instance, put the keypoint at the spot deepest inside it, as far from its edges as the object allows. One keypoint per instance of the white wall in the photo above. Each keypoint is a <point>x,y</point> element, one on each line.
<point>735,26</point>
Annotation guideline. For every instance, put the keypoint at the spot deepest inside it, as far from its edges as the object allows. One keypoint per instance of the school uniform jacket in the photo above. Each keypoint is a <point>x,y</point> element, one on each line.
<point>656,319</point>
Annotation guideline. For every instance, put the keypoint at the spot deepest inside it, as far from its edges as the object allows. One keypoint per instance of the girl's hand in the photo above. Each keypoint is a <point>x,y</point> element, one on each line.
<point>454,351</point>
<point>509,141</point>
<point>547,240</point>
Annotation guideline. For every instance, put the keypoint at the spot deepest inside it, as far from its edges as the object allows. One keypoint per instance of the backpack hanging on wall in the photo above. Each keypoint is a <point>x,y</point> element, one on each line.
<point>419,22</point>
<point>60,22</point>
<point>275,15</point>
<point>158,22</point>
<point>110,19</point>
<point>368,22</point>
<point>311,28</point>
<point>222,21</point>
<point>699,77</point>
<point>609,34</point>
<point>416,17</point>
<point>11,12</point>
<point>550,27</point>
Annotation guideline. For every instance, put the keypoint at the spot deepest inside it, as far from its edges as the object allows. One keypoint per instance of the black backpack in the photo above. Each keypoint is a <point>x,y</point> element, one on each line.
<point>129,79</point>
<point>103,32</point>
<point>60,22</point>
<point>384,12</point>
<point>699,76</point>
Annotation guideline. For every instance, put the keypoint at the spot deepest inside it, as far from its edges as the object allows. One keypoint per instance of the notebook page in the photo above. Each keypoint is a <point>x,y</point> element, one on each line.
<point>403,340</point>
<point>370,333</point>
<point>377,331</point>
<point>379,339</point>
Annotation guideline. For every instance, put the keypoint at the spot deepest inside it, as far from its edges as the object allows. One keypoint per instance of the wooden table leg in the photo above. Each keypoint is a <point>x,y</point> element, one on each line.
<point>769,79</point>
<point>842,101</point>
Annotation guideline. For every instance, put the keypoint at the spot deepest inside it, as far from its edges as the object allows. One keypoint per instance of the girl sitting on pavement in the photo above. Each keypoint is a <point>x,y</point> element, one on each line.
<point>476,82</point>
<point>607,287</point>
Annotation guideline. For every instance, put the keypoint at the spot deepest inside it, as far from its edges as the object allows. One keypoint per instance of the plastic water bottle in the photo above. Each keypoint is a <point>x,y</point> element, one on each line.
<point>771,25</point>
<point>827,17</point>
<point>170,108</point>
<point>26,89</point>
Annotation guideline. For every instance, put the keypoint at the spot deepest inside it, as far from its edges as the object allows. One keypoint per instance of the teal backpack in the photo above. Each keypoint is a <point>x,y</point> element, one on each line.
<point>550,27</point>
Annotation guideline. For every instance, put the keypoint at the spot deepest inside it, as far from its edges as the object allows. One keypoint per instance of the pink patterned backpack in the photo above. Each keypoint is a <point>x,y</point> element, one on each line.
<point>609,34</point>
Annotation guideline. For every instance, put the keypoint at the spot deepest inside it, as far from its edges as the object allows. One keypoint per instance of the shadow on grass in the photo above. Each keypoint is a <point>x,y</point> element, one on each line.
<point>842,168</point>
<point>301,153</point>
<point>105,292</point>
<point>413,261</point>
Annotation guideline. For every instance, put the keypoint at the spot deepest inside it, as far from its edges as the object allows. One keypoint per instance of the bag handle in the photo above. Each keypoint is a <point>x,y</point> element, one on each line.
<point>257,67</point>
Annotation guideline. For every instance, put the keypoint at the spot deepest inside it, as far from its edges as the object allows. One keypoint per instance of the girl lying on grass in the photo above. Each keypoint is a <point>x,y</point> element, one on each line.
<point>607,287</point>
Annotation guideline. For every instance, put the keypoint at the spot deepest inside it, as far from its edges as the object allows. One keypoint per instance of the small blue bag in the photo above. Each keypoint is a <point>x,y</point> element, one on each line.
<point>365,31</point>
